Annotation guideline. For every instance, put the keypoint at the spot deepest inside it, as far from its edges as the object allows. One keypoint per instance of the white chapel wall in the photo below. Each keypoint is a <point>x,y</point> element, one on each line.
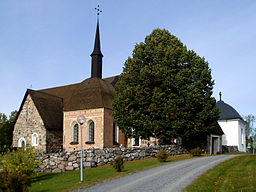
<point>230,129</point>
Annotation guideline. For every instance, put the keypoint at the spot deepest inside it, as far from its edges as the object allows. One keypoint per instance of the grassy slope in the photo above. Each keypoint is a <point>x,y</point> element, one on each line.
<point>70,180</point>
<point>238,174</point>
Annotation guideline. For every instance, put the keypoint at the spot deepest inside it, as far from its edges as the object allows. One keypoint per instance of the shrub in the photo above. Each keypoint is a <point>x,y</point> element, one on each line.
<point>196,151</point>
<point>118,163</point>
<point>14,182</point>
<point>162,156</point>
<point>20,161</point>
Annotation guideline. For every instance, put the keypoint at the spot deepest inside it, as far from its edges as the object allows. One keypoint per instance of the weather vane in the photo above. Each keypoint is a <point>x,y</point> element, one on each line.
<point>98,10</point>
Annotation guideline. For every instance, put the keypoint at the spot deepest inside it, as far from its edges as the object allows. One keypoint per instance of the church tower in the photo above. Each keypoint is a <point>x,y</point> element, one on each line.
<point>96,66</point>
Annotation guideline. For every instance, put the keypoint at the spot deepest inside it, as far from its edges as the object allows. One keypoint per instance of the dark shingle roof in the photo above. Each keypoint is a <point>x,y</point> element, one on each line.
<point>64,92</point>
<point>50,109</point>
<point>217,130</point>
<point>90,94</point>
<point>227,112</point>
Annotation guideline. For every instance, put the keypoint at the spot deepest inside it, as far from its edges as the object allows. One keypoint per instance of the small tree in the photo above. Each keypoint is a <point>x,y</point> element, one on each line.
<point>17,166</point>
<point>20,161</point>
<point>162,156</point>
<point>118,163</point>
<point>196,151</point>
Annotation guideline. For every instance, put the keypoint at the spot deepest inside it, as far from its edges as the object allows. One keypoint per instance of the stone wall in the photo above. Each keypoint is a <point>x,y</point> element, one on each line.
<point>229,149</point>
<point>68,161</point>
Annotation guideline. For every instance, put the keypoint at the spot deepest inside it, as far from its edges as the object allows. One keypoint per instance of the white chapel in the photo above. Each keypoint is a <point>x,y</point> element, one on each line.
<point>233,127</point>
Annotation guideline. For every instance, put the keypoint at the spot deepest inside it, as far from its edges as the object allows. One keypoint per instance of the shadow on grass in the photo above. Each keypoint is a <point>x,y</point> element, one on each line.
<point>36,178</point>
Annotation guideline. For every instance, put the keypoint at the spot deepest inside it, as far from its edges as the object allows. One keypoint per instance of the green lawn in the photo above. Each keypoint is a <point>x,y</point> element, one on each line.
<point>238,174</point>
<point>70,180</point>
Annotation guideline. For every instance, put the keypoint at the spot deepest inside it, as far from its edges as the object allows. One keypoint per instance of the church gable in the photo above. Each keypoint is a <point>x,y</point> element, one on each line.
<point>29,127</point>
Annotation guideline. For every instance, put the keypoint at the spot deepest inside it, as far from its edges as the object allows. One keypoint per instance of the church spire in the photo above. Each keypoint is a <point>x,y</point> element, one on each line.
<point>220,95</point>
<point>96,66</point>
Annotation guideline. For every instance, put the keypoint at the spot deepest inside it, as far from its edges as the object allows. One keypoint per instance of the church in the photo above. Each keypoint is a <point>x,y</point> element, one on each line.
<point>47,118</point>
<point>233,126</point>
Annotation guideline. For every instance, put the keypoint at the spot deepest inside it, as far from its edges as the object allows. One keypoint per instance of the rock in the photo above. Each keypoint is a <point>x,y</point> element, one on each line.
<point>70,163</point>
<point>75,165</point>
<point>52,163</point>
<point>69,168</point>
<point>61,166</point>
<point>72,158</point>
<point>57,170</point>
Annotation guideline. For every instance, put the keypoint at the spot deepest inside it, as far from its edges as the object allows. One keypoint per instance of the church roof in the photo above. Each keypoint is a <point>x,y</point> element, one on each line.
<point>48,106</point>
<point>217,130</point>
<point>227,112</point>
<point>90,94</point>
<point>50,109</point>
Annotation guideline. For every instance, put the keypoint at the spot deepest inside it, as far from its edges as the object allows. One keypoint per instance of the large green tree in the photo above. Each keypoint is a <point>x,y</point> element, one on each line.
<point>6,130</point>
<point>165,90</point>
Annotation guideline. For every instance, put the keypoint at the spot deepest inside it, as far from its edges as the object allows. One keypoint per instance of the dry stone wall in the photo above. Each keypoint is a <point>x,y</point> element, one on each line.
<point>69,161</point>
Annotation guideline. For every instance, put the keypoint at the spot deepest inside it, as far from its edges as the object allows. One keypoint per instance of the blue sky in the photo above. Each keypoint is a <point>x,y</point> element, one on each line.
<point>47,43</point>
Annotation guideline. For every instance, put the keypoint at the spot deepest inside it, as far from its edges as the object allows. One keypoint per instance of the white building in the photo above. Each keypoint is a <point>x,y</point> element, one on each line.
<point>233,127</point>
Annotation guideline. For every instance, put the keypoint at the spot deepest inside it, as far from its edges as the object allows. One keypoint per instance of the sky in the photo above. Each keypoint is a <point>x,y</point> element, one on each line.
<point>47,43</point>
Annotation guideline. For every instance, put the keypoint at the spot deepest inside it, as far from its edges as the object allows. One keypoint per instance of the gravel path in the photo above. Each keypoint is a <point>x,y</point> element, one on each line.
<point>170,177</point>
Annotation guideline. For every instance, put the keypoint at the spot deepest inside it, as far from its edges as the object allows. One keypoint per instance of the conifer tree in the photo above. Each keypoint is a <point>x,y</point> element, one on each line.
<point>165,91</point>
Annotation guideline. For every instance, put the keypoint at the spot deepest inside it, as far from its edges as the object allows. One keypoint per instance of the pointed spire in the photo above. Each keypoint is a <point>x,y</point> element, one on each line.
<point>96,50</point>
<point>220,95</point>
<point>96,66</point>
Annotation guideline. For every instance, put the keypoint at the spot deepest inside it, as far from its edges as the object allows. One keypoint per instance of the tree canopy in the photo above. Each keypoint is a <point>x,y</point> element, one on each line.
<point>165,91</point>
<point>6,130</point>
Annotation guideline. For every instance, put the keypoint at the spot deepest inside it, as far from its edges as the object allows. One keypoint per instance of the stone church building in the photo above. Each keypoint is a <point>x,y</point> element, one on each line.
<point>47,118</point>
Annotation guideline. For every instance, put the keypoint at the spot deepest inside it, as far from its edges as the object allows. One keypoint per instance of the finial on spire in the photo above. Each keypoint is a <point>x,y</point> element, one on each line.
<point>98,10</point>
<point>220,95</point>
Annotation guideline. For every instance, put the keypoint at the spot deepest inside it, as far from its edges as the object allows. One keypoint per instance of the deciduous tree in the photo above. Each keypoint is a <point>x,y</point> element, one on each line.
<point>165,91</point>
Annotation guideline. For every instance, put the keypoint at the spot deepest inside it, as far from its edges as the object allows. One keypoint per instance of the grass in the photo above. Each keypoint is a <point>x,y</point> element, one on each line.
<point>46,182</point>
<point>238,174</point>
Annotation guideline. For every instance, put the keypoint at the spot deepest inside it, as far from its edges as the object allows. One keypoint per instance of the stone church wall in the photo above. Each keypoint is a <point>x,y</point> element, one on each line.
<point>29,122</point>
<point>68,161</point>
<point>54,139</point>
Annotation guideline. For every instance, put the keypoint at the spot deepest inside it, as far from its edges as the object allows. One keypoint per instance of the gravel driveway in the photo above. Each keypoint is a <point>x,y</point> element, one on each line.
<point>169,177</point>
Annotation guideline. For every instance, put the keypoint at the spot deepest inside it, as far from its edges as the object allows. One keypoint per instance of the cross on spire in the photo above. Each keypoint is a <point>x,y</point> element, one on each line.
<point>220,95</point>
<point>98,10</point>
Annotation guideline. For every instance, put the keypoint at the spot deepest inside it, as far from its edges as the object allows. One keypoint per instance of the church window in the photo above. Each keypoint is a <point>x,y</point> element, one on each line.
<point>91,131</point>
<point>22,143</point>
<point>75,133</point>
<point>34,139</point>
<point>136,141</point>
<point>115,133</point>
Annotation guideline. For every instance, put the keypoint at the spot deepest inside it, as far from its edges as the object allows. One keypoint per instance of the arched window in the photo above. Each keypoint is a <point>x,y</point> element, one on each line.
<point>34,139</point>
<point>75,133</point>
<point>115,134</point>
<point>91,131</point>
<point>22,143</point>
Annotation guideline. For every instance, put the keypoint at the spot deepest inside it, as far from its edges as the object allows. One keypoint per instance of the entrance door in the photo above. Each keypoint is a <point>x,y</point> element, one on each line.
<point>215,144</point>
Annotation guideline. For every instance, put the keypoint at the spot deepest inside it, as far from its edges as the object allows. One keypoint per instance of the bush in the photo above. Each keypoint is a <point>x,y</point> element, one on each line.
<point>196,151</point>
<point>20,161</point>
<point>118,163</point>
<point>14,182</point>
<point>162,156</point>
